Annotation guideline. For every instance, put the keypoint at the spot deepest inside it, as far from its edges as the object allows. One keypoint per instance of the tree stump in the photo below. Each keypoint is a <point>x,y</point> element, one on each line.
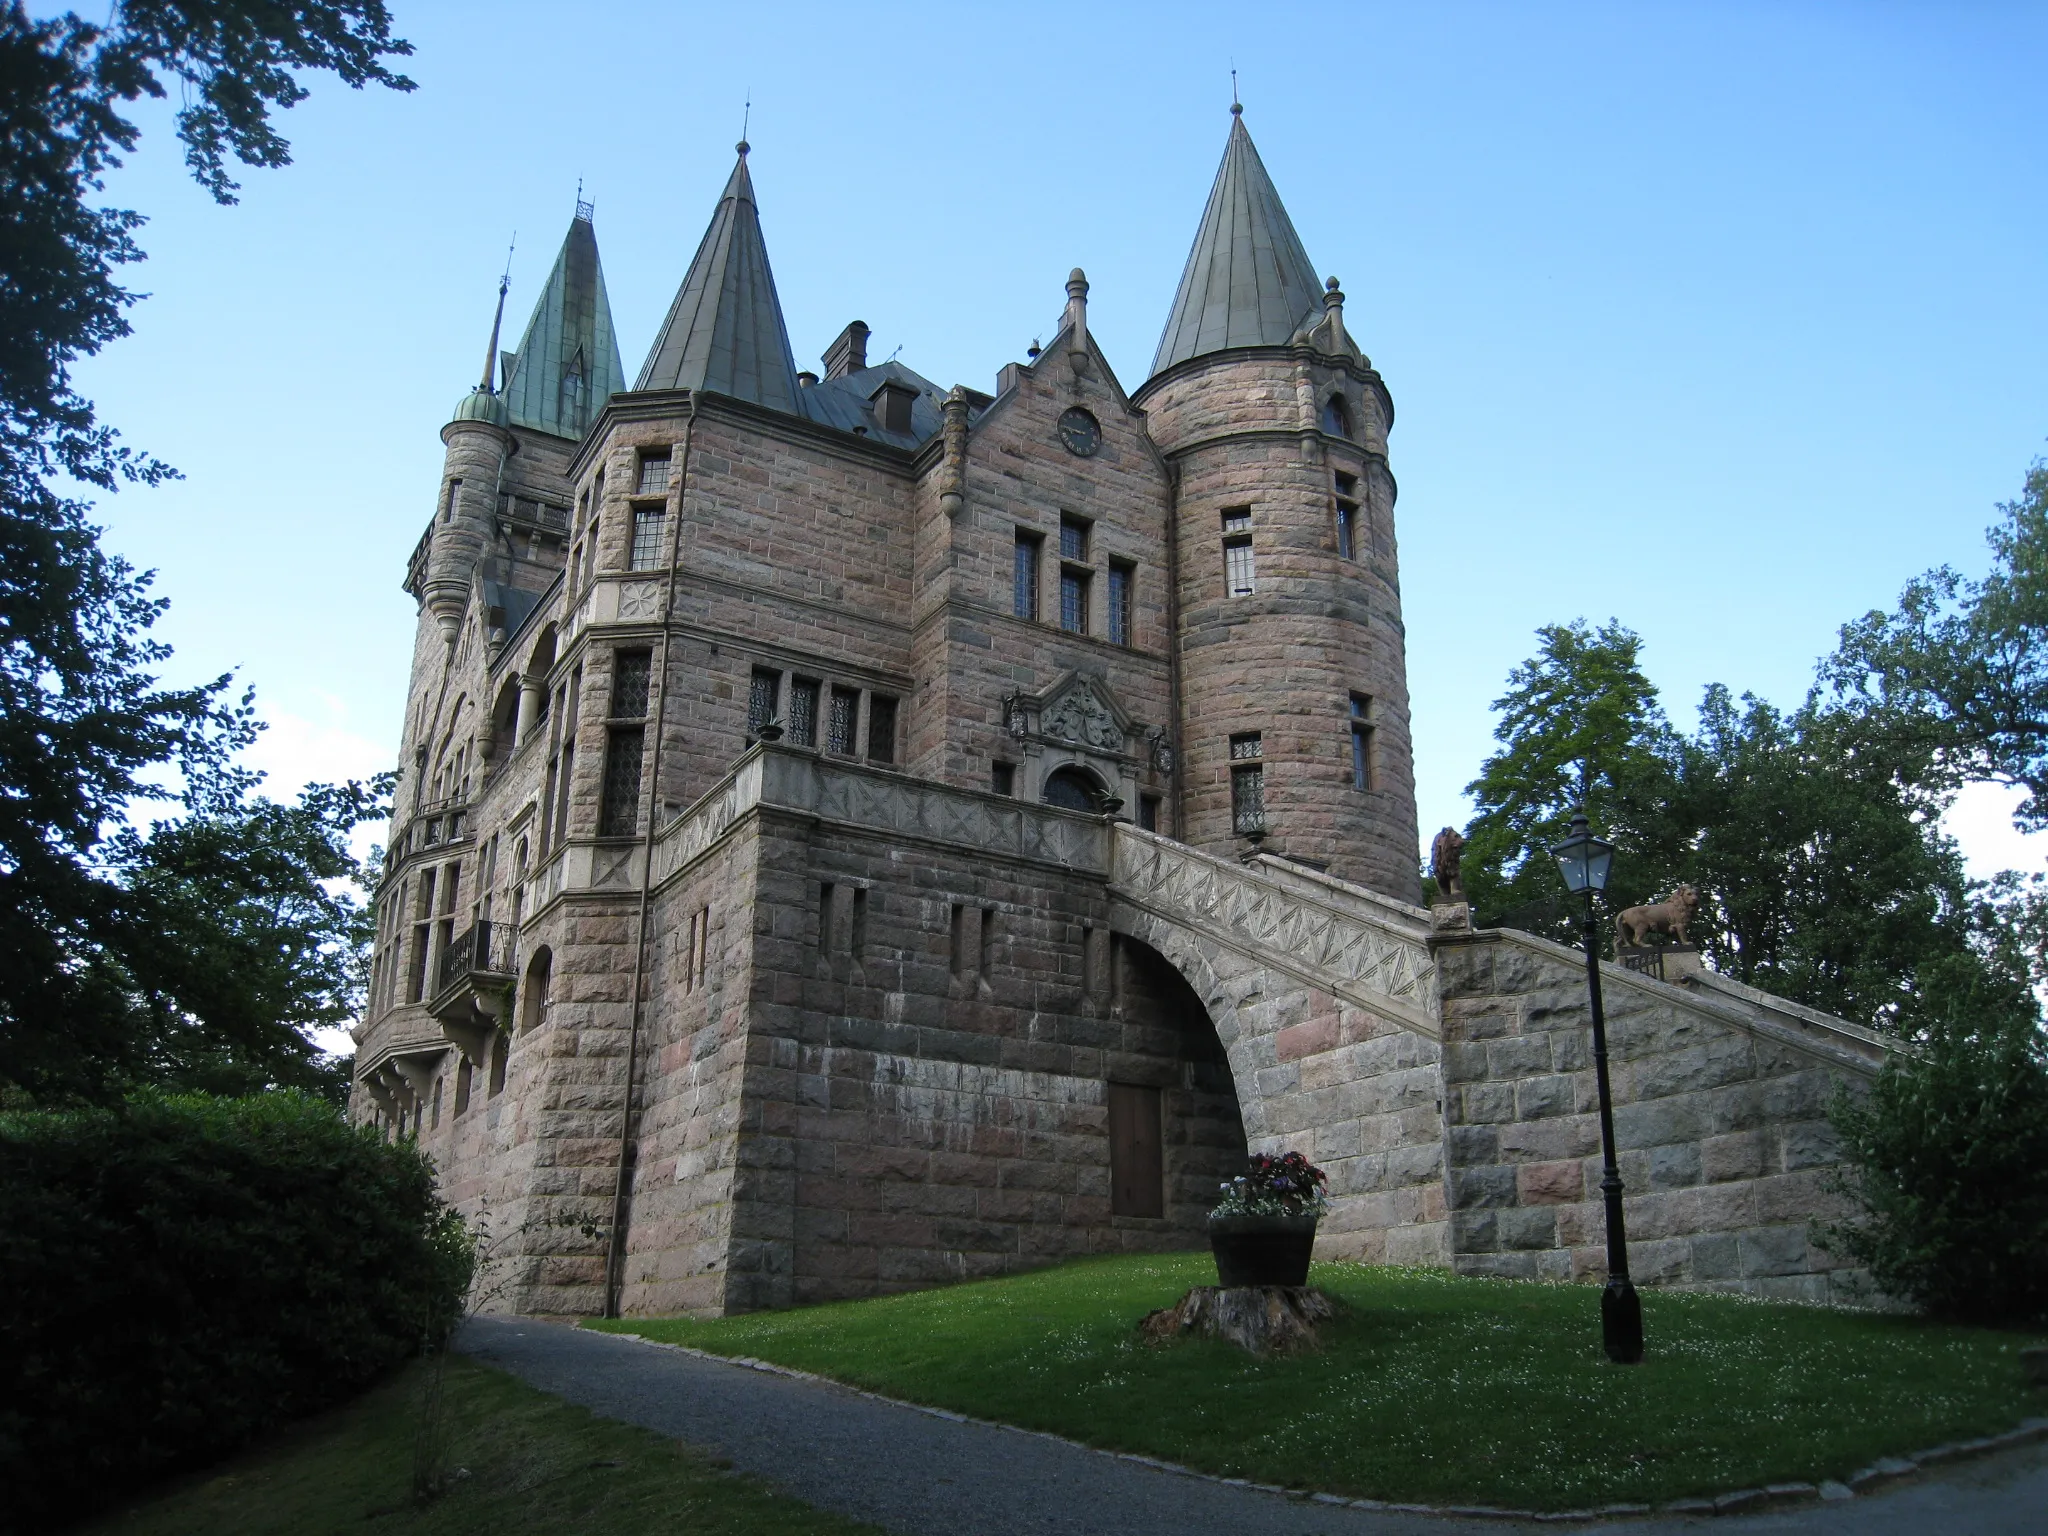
<point>1261,1319</point>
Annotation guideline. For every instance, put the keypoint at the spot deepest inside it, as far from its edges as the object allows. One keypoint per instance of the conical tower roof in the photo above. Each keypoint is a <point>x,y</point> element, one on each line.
<point>1248,282</point>
<point>568,361</point>
<point>724,332</point>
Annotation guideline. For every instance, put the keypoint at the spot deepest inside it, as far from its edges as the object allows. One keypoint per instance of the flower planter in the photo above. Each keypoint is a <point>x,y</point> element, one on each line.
<point>1262,1250</point>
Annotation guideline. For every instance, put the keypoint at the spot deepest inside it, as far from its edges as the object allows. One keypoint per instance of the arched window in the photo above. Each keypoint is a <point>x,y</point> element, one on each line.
<point>533,994</point>
<point>1336,417</point>
<point>1073,789</point>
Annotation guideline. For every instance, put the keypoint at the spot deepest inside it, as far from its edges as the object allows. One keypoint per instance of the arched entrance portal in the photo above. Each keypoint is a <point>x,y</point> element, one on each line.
<point>1175,1131</point>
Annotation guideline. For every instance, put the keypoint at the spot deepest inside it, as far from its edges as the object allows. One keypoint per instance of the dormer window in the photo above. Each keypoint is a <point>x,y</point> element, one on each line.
<point>892,403</point>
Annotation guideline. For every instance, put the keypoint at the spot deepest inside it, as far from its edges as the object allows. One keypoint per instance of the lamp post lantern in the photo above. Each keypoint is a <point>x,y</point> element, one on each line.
<point>1585,860</point>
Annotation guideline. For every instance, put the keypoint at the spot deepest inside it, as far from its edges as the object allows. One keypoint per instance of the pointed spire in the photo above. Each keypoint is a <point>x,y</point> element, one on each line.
<point>1248,282</point>
<point>724,332</point>
<point>489,386</point>
<point>568,362</point>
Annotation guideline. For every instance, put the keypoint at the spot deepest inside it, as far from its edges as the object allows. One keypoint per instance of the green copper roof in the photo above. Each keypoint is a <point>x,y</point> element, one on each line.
<point>568,361</point>
<point>724,332</point>
<point>1248,281</point>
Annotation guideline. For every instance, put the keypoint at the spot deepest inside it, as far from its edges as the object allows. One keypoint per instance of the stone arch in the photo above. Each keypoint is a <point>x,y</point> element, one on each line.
<point>1075,788</point>
<point>540,661</point>
<point>1247,1005</point>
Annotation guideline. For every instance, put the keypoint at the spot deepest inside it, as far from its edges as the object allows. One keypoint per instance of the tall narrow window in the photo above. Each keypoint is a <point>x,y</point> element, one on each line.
<point>1074,539</point>
<point>1237,551</point>
<point>1003,778</point>
<point>625,745</point>
<point>631,673</point>
<point>840,723</point>
<point>1361,741</point>
<point>881,729</point>
<point>1137,1183</point>
<point>763,692</point>
<point>653,475</point>
<point>619,812</point>
<point>1074,586</point>
<point>803,712</point>
<point>1336,417</point>
<point>1347,516</point>
<point>1024,585</point>
<point>1247,784</point>
<point>1121,580</point>
<point>1148,813</point>
<point>648,523</point>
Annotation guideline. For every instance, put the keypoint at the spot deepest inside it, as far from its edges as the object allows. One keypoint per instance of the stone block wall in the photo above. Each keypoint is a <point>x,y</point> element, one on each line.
<point>926,1059</point>
<point>1720,1127</point>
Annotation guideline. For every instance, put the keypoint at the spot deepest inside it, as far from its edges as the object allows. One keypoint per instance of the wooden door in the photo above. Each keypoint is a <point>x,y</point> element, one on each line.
<point>1136,1153</point>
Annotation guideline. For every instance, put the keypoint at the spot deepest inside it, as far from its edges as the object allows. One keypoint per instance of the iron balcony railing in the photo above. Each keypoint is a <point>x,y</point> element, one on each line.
<point>486,949</point>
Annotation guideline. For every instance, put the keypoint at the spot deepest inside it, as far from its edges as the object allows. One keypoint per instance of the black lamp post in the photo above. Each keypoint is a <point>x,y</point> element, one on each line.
<point>1585,861</point>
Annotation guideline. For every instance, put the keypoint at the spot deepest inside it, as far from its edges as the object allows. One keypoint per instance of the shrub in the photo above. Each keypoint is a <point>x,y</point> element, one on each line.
<point>1948,1157</point>
<point>181,1273</point>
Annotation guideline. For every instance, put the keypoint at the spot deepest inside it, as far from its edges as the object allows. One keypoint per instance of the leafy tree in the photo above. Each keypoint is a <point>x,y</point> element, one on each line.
<point>1956,679</point>
<point>1822,877</point>
<point>82,711</point>
<point>1580,728</point>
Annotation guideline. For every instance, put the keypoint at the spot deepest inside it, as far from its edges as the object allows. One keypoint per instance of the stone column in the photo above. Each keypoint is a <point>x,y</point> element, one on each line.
<point>529,707</point>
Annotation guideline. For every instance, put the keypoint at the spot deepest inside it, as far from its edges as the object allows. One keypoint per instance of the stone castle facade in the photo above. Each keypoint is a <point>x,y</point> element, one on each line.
<point>855,834</point>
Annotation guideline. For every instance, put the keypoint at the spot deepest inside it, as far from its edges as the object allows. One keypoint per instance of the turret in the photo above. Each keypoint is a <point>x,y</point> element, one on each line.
<point>1295,735</point>
<point>477,441</point>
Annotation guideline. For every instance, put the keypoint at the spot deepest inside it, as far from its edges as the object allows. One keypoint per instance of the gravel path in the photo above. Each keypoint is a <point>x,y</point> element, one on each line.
<point>920,1474</point>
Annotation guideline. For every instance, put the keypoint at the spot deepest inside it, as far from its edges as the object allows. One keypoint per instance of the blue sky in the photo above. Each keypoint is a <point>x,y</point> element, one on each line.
<point>1720,320</point>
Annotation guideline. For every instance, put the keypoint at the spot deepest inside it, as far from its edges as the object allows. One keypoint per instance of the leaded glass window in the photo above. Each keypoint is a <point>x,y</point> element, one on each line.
<point>1247,784</point>
<point>653,476</point>
<point>631,673</point>
<point>1120,604</point>
<point>648,525</point>
<point>840,725</point>
<point>1074,602</point>
<point>1073,539</point>
<point>762,689</point>
<point>1024,585</point>
<point>619,812</point>
<point>803,712</point>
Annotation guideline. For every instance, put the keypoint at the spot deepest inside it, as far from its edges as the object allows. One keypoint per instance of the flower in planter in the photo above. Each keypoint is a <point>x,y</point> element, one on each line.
<point>1288,1185</point>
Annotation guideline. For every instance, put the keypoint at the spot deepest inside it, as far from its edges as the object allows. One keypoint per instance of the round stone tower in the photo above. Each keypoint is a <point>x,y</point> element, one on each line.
<point>1293,671</point>
<point>478,439</point>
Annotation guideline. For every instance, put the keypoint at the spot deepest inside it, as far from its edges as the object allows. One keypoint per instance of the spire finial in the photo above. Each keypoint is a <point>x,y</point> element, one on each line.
<point>746,121</point>
<point>584,211</point>
<point>1236,106</point>
<point>498,321</point>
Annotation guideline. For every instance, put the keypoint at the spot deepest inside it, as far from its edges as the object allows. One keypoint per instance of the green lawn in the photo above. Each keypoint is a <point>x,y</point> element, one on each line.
<point>1432,1389</point>
<point>535,1464</point>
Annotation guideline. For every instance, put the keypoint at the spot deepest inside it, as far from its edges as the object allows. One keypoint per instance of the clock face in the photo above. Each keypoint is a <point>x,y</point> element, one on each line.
<point>1080,432</point>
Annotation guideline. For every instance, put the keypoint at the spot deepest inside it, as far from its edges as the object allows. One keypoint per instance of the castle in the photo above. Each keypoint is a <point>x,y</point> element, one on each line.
<point>855,834</point>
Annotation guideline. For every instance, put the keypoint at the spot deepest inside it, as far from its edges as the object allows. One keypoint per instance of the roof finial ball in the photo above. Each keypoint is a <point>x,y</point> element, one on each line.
<point>1237,109</point>
<point>743,146</point>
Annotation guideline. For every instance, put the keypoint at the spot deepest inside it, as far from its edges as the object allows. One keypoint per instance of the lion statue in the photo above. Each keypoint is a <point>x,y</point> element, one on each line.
<point>1444,855</point>
<point>1670,917</point>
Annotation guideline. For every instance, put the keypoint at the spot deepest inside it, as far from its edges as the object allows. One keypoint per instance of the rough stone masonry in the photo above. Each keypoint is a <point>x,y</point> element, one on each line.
<point>855,834</point>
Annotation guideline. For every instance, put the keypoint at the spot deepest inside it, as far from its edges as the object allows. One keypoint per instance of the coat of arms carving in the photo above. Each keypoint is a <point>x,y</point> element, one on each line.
<point>1082,718</point>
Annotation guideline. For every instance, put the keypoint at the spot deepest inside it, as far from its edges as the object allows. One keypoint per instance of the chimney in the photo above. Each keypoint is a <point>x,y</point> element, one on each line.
<point>849,353</point>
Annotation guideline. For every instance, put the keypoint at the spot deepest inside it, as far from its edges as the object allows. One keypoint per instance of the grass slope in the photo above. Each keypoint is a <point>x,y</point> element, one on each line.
<point>535,1464</point>
<point>1432,1388</point>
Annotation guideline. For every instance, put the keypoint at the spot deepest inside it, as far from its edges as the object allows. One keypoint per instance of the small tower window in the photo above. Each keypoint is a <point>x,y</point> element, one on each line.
<point>1347,516</point>
<point>1336,417</point>
<point>653,476</point>
<point>1362,773</point>
<point>1238,576</point>
<point>1247,783</point>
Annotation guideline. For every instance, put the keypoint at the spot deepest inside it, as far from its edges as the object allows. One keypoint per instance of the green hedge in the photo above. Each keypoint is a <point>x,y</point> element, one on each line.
<point>181,1273</point>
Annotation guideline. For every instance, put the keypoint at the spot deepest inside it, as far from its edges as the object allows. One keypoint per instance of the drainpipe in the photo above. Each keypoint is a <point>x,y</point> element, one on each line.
<point>615,1242</point>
